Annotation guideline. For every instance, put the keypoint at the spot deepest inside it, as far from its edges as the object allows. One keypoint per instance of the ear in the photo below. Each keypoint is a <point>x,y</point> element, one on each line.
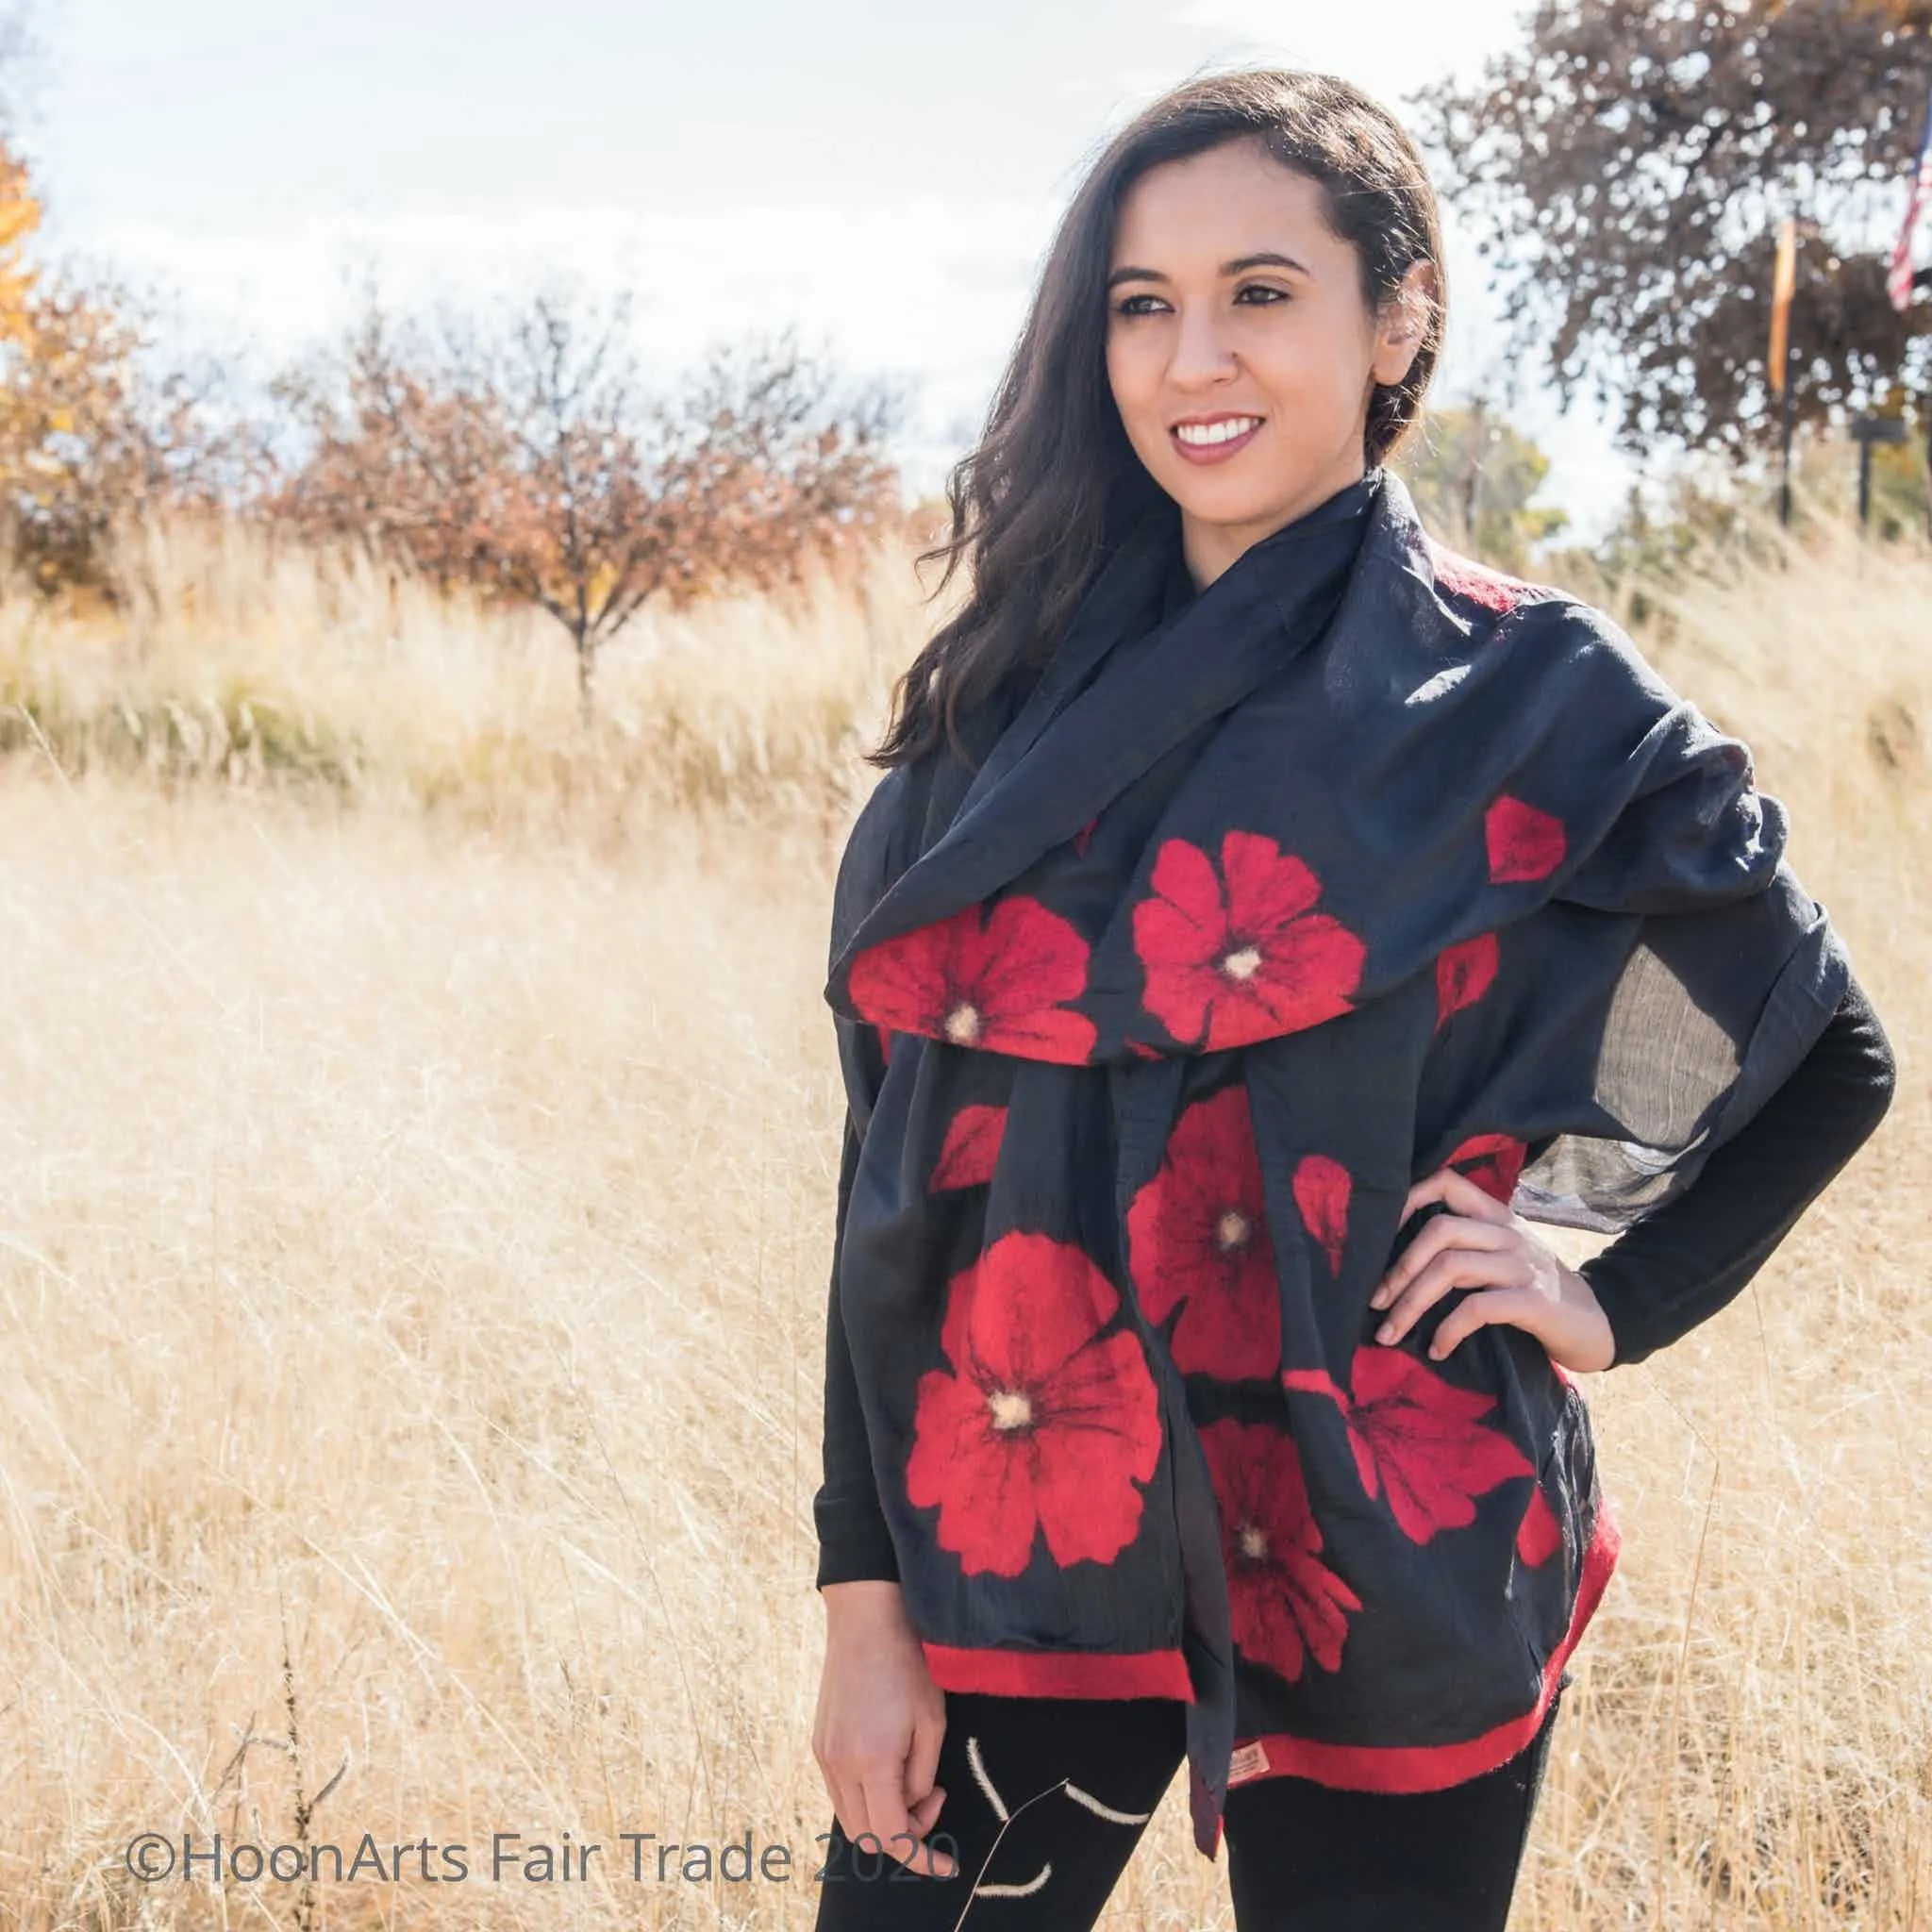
<point>1404,323</point>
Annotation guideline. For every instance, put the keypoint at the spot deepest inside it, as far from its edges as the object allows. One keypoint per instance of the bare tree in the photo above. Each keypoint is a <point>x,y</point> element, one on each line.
<point>394,456</point>
<point>524,454</point>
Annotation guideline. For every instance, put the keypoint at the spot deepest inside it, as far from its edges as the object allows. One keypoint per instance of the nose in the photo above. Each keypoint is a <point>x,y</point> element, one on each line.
<point>1202,356</point>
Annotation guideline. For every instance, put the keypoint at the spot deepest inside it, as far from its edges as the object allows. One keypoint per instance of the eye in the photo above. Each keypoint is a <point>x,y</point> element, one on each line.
<point>1272,295</point>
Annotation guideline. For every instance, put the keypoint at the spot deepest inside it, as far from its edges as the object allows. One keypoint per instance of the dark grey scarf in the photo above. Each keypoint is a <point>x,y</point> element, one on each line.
<point>1267,903</point>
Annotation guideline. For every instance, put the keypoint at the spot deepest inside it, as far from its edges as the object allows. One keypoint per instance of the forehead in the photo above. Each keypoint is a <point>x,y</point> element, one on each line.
<point>1227,201</point>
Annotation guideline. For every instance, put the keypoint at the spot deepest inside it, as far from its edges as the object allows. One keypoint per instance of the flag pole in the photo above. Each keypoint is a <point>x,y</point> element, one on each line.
<point>1784,488</point>
<point>1901,281</point>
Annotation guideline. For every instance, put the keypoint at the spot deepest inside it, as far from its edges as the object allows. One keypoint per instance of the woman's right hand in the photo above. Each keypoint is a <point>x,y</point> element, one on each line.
<point>880,1719</point>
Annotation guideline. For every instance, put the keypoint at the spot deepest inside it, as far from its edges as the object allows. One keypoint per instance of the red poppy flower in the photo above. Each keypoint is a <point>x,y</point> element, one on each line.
<point>999,985</point>
<point>1322,1187</point>
<point>1284,1603</point>
<point>885,1034</point>
<point>1524,842</point>
<point>1418,1440</point>
<point>1537,1536</point>
<point>1041,1424</point>
<point>1492,1161</point>
<point>1463,973</point>
<point>1083,837</point>
<point>971,1147</point>
<point>1236,956</point>
<point>1476,581</point>
<point>1198,1236</point>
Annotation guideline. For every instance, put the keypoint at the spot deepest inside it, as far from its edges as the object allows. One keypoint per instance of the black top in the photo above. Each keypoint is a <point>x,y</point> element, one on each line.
<point>1681,1264</point>
<point>1658,1280</point>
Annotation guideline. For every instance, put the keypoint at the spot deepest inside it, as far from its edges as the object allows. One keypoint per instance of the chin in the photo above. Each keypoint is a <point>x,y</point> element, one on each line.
<point>1211,500</point>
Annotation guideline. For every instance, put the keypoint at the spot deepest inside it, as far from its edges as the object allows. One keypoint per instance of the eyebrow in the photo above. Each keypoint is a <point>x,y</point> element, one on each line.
<point>1266,259</point>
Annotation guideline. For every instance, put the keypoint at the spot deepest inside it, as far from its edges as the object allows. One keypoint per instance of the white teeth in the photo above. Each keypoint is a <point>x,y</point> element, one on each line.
<point>1216,432</point>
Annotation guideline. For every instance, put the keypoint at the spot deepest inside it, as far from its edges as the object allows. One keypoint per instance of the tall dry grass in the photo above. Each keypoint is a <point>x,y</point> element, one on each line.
<point>415,1190</point>
<point>242,658</point>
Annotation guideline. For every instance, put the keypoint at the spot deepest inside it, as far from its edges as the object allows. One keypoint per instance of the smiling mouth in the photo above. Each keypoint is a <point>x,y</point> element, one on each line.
<point>1207,435</point>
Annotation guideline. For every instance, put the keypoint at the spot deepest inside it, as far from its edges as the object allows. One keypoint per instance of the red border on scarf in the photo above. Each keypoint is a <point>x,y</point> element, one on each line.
<point>1060,1673</point>
<point>1431,1767</point>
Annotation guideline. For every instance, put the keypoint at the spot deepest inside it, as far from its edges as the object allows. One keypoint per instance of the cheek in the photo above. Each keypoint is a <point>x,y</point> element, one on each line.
<point>1309,365</point>
<point>1134,377</point>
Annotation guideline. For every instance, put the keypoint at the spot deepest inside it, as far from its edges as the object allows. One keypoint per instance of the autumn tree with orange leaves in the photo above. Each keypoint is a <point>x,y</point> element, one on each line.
<point>523,455</point>
<point>89,435</point>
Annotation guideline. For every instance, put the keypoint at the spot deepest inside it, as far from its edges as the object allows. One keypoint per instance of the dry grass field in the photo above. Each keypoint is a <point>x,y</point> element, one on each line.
<point>417,1140</point>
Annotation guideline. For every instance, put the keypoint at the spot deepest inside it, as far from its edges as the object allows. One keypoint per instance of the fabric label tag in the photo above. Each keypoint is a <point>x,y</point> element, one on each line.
<point>1251,1760</point>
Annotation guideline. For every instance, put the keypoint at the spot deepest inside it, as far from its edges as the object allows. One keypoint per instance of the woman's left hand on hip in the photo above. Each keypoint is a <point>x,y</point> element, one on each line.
<point>1480,1243</point>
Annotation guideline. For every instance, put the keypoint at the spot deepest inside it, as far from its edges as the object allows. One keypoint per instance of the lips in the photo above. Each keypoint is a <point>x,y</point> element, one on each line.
<point>1224,445</point>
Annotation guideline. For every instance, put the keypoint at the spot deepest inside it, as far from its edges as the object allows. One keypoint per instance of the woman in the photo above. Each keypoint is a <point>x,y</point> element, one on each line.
<point>1263,912</point>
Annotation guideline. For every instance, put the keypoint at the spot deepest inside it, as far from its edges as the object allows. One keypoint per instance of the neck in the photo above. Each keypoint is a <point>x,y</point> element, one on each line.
<point>1210,547</point>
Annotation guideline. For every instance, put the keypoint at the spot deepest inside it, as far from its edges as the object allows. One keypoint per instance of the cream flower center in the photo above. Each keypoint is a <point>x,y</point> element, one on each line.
<point>1231,1229</point>
<point>962,1024</point>
<point>1253,1541</point>
<point>1243,963</point>
<point>1011,1409</point>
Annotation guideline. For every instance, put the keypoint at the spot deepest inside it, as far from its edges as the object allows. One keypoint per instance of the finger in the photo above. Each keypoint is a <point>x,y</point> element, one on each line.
<point>923,1761</point>
<point>1493,1305</point>
<point>923,1814</point>
<point>874,1785</point>
<point>890,1822</point>
<point>1445,1231</point>
<point>1425,1190</point>
<point>848,1804</point>
<point>1455,1267</point>
<point>1458,1193</point>
<point>923,1796</point>
<point>834,1785</point>
<point>1458,1268</point>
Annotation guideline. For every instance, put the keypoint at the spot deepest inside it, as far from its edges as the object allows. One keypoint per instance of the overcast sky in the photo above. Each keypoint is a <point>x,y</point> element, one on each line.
<point>883,174</point>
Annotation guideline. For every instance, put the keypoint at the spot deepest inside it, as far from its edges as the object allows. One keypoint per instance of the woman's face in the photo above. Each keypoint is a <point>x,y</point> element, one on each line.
<point>1233,309</point>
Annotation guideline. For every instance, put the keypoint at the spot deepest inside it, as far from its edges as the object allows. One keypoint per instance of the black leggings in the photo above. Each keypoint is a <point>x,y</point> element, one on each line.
<point>1301,1856</point>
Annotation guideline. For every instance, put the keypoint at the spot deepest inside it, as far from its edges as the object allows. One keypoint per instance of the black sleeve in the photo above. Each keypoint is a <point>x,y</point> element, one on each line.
<point>854,1542</point>
<point>1679,1265</point>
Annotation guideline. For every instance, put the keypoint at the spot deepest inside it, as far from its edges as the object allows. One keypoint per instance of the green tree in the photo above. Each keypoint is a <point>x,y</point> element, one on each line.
<point>1474,478</point>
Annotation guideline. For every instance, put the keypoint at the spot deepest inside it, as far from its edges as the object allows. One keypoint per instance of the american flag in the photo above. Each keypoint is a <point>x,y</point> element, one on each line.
<point>1899,282</point>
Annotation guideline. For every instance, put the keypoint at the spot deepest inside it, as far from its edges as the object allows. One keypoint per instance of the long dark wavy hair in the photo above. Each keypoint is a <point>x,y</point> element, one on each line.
<point>1054,482</point>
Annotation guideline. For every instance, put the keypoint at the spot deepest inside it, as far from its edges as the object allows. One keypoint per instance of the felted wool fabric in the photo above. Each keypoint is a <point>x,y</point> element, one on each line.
<point>1265,903</point>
